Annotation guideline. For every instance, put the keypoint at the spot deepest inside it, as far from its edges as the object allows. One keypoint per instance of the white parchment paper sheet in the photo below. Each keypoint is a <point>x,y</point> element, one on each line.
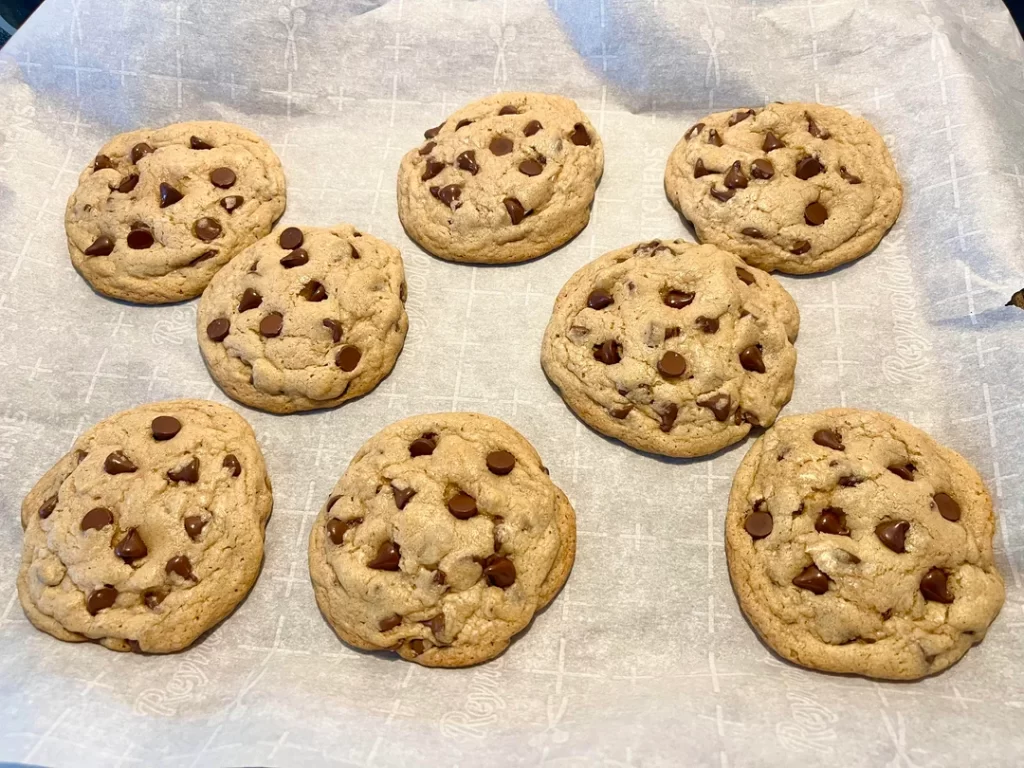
<point>645,658</point>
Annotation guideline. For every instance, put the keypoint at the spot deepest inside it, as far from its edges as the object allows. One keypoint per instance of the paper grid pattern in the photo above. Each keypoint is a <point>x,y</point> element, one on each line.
<point>645,658</point>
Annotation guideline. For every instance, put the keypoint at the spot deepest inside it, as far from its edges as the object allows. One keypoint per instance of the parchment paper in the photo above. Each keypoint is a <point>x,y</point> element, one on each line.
<point>645,658</point>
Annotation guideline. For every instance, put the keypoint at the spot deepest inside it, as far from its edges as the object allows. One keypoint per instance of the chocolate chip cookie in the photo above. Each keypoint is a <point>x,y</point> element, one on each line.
<point>794,187</point>
<point>149,532</point>
<point>441,541</point>
<point>305,318</point>
<point>856,543</point>
<point>159,211</point>
<point>504,179</point>
<point>672,347</point>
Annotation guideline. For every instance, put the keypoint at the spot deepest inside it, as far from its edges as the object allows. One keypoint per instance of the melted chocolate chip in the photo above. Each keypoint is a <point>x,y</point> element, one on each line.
<point>699,169</point>
<point>463,123</point>
<point>390,622</point>
<point>182,566</point>
<point>758,524</point>
<point>500,145</point>
<point>694,129</point>
<point>427,148</point>
<point>722,195</point>
<point>140,237</point>
<point>714,138</point>
<point>808,167</point>
<point>672,365</point>
<point>388,557</point>
<point>828,438</point>
<point>678,299</point>
<point>752,232</point>
<point>334,326</point>
<point>608,352</point>
<point>102,162</point>
<point>131,547</point>
<point>599,299</point>
<point>508,109</point>
<point>222,177</point>
<point>336,529</point>
<point>431,169</point>
<point>903,471</point>
<point>271,325</point>
<point>187,473</point>
<point>745,276</point>
<point>449,194</point>
<point>751,359</point>
<point>893,534</point>
<point>296,258</point>
<point>422,446</point>
<point>815,214</point>
<point>500,462</point>
<point>579,135</point>
<point>96,519</point>
<point>218,329</point>
<point>207,229</point>
<point>531,167</point>
<point>813,580</point>
<point>139,151</point>
<point>231,202</point>
<point>667,412</point>
<point>500,571</point>
<point>101,246</point>
<point>801,247</point>
<point>194,525</point>
<point>762,169</point>
<point>814,129</point>
<point>100,599</point>
<point>947,506</point>
<point>232,465</point>
<point>462,506</point>
<point>118,464</point>
<point>348,358</point>
<point>832,520</point>
<point>290,239</point>
<point>196,143</point>
<point>516,212</point>
<point>935,586</point>
<point>165,427</point>
<point>532,127</point>
<point>707,324</point>
<point>739,117</point>
<point>719,404</point>
<point>313,291</point>
<point>847,176</point>
<point>402,496</point>
<point>432,132</point>
<point>467,162</point>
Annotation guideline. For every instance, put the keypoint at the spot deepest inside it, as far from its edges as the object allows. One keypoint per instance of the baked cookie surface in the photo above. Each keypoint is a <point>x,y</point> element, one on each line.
<point>792,187</point>
<point>504,179</point>
<point>440,542</point>
<point>858,544</point>
<point>159,211</point>
<point>149,531</point>
<point>305,318</point>
<point>671,347</point>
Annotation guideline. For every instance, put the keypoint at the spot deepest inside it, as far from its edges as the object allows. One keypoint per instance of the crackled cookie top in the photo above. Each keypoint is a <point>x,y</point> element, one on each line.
<point>794,187</point>
<point>149,531</point>
<point>305,318</point>
<point>858,544</point>
<point>441,540</point>
<point>159,211</point>
<point>672,347</point>
<point>503,179</point>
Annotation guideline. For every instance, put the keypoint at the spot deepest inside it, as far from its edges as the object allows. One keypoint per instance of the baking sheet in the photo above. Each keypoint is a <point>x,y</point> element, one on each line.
<point>645,658</point>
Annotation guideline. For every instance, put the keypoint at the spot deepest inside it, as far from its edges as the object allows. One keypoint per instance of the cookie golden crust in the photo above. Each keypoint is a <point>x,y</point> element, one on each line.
<point>504,179</point>
<point>792,187</point>
<point>441,541</point>
<point>159,211</point>
<point>305,318</point>
<point>858,544</point>
<point>149,531</point>
<point>671,347</point>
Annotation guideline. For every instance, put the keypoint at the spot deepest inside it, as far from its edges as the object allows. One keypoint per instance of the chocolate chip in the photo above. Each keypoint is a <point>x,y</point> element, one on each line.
<point>947,506</point>
<point>508,109</point>
<point>893,533</point>
<point>417,646</point>
<point>187,473</point>
<point>427,148</point>
<point>436,625</point>
<point>758,524</point>
<point>678,299</point>
<point>579,135</point>
<point>207,229</point>
<point>692,130</point>
<point>204,256</point>
<point>449,194</point>
<point>500,571</point>
<point>530,167</point>
<point>467,162</point>
<point>250,300</point>
<point>182,566</point>
<point>722,195</point>
<point>231,202</point>
<point>747,417</point>
<point>751,359</point>
<point>745,276</point>
<point>101,162</point>
<point>608,352</point>
<point>801,247</point>
<point>96,518</point>
<point>402,496</point>
<point>140,237</point>
<point>846,175</point>
<point>813,580</point>
<point>463,123</point>
<point>735,178</point>
<point>140,150</point>
<point>719,404</point>
<point>699,169</point>
<point>500,462</point>
<point>516,212</point>
<point>388,557</point>
<point>935,586</point>
<point>753,232</point>
<point>462,506</point>
<point>222,177</point>
<point>128,183</point>
<point>849,481</point>
<point>707,324</point>
<point>714,138</point>
<point>194,525</point>
<point>131,547</point>
<point>771,141</point>
<point>47,507</point>
<point>196,143</point>
<point>828,438</point>
<point>762,169</point>
<point>739,117</point>
<point>390,622</point>
<point>271,325</point>
<point>118,464</point>
<point>672,365</point>
<point>620,411</point>
<point>336,529</point>
<point>808,167</point>
<point>232,464</point>
<point>599,299</point>
<point>501,145</point>
<point>432,132</point>
<point>165,427</point>
<point>100,599</point>
<point>422,446</point>
<point>431,169</point>
<point>348,358</point>
<point>832,520</point>
<point>313,291</point>
<point>532,127</point>
<point>672,331</point>
<point>667,412</point>
<point>903,471</point>
<point>334,327</point>
<point>814,129</point>
<point>290,239</point>
<point>218,329</point>
<point>101,246</point>
<point>296,258</point>
<point>152,600</point>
